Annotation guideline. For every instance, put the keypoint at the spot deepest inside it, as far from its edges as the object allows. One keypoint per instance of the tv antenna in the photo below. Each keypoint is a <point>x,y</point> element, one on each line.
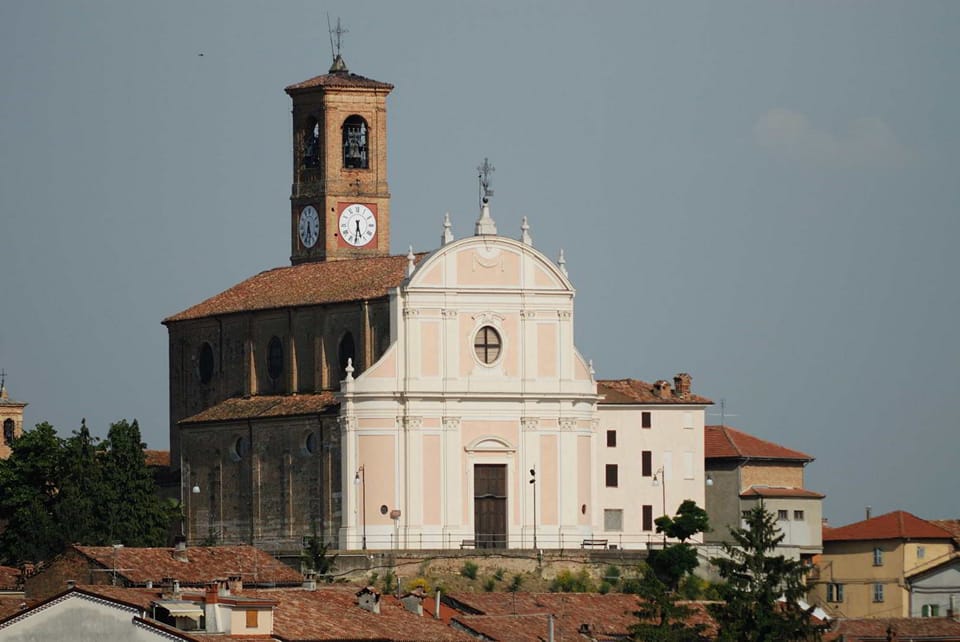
<point>723,413</point>
<point>484,179</point>
<point>338,32</point>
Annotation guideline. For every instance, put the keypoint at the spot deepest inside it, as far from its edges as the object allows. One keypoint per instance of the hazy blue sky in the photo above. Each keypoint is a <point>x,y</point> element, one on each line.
<point>762,194</point>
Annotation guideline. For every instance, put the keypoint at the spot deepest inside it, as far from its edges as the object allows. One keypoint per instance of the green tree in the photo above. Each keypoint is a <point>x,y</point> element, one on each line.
<point>134,514</point>
<point>80,489</point>
<point>28,496</point>
<point>663,618</point>
<point>755,581</point>
<point>316,556</point>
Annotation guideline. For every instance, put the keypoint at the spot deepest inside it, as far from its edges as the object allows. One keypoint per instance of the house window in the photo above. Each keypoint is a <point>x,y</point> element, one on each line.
<point>834,592</point>
<point>647,517</point>
<point>878,592</point>
<point>782,515</point>
<point>878,557</point>
<point>744,514</point>
<point>645,421</point>
<point>921,552</point>
<point>611,439</point>
<point>930,610</point>
<point>611,475</point>
<point>355,143</point>
<point>252,619</point>
<point>798,515</point>
<point>486,345</point>
<point>613,519</point>
<point>646,463</point>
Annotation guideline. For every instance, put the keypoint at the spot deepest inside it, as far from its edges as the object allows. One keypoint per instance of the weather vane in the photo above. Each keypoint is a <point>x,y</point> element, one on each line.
<point>484,177</point>
<point>338,32</point>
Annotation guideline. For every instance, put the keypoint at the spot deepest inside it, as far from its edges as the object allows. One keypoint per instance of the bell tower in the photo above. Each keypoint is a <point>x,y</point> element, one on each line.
<point>11,418</point>
<point>339,201</point>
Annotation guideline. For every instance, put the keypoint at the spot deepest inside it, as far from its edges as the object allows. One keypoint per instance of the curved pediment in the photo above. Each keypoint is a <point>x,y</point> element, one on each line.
<point>490,443</point>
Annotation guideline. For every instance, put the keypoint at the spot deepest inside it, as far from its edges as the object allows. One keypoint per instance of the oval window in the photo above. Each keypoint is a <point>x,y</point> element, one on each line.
<point>487,344</point>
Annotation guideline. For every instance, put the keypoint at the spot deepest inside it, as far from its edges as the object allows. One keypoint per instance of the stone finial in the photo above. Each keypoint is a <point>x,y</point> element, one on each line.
<point>562,263</point>
<point>525,237</point>
<point>447,236</point>
<point>411,266</point>
<point>590,368</point>
<point>349,369</point>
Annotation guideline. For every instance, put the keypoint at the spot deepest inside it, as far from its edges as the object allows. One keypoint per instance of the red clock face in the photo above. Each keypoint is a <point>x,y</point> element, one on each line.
<point>357,225</point>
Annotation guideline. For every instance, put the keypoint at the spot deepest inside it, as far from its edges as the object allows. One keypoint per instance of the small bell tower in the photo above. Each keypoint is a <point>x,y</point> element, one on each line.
<point>11,418</point>
<point>339,201</point>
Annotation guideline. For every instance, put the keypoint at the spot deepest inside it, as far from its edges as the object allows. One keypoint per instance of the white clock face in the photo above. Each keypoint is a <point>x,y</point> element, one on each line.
<point>357,225</point>
<point>309,226</point>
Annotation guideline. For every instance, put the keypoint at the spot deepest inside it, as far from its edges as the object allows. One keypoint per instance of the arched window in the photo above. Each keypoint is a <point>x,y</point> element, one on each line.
<point>275,358</point>
<point>8,431</point>
<point>346,351</point>
<point>205,363</point>
<point>311,145</point>
<point>355,143</point>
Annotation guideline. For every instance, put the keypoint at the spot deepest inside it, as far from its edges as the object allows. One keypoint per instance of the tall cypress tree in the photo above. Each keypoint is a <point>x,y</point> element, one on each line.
<point>81,490</point>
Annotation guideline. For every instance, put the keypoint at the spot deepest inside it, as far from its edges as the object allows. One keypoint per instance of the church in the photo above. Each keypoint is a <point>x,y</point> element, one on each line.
<point>417,401</point>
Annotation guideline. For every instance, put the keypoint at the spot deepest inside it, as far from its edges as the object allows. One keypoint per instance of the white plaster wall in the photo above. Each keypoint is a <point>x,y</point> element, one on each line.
<point>78,618</point>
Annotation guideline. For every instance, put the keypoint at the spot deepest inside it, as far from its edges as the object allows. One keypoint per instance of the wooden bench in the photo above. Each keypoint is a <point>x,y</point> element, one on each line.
<point>593,543</point>
<point>468,543</point>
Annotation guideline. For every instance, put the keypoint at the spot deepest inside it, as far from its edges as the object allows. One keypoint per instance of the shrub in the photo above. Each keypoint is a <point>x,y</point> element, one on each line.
<point>419,582</point>
<point>389,582</point>
<point>489,584</point>
<point>515,583</point>
<point>570,582</point>
<point>498,574</point>
<point>469,570</point>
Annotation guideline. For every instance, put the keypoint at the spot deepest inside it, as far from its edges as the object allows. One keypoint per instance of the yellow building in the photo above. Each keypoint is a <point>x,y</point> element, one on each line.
<point>863,567</point>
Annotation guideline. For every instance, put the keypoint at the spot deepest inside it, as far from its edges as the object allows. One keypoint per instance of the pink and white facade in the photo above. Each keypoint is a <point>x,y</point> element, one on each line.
<point>480,392</point>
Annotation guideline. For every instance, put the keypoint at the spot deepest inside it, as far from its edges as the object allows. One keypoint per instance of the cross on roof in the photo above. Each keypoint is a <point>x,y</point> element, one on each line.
<point>485,170</point>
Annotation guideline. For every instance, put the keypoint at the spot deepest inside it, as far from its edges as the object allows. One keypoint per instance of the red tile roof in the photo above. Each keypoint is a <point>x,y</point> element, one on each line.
<point>519,617</point>
<point>265,406</point>
<point>338,79</point>
<point>770,491</point>
<point>157,458</point>
<point>306,284</point>
<point>195,566</point>
<point>332,613</point>
<point>634,391</point>
<point>724,442</point>
<point>952,526</point>
<point>896,525</point>
<point>9,578</point>
<point>941,629</point>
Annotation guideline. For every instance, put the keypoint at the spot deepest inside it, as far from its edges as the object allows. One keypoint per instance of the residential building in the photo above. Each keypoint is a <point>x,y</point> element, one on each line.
<point>865,566</point>
<point>651,440</point>
<point>743,471</point>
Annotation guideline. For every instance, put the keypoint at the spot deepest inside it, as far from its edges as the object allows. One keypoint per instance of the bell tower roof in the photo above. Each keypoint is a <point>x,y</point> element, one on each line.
<point>337,79</point>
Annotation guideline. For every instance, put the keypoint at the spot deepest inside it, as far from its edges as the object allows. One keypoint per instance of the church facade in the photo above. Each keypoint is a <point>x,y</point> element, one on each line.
<point>423,401</point>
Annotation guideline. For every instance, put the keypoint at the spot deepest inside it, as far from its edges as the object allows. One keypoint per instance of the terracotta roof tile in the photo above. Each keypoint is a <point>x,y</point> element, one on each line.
<point>724,442</point>
<point>771,491</point>
<point>306,284</point>
<point>952,526</point>
<point>340,79</point>
<point>157,458</point>
<point>195,566</point>
<point>634,391</point>
<point>265,406</point>
<point>523,616</point>
<point>875,629</point>
<point>896,525</point>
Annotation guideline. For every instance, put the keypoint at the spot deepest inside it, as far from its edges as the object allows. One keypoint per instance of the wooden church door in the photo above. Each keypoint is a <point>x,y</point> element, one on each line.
<point>490,505</point>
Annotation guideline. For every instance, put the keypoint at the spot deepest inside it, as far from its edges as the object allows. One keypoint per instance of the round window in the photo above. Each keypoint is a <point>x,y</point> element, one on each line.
<point>310,445</point>
<point>241,447</point>
<point>274,358</point>
<point>487,344</point>
<point>205,363</point>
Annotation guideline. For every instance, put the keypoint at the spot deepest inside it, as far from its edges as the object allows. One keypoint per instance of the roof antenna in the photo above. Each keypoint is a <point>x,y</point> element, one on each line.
<point>338,63</point>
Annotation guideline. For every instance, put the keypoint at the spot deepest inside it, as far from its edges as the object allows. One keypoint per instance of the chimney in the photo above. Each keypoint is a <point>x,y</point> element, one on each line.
<point>71,584</point>
<point>661,388</point>
<point>180,549</point>
<point>413,601</point>
<point>211,610</point>
<point>235,585</point>
<point>868,511</point>
<point>681,385</point>
<point>310,580</point>
<point>176,588</point>
<point>368,599</point>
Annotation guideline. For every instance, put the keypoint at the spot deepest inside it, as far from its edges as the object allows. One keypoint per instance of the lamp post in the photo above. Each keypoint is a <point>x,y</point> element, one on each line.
<point>360,480</point>
<point>533,482</point>
<point>660,479</point>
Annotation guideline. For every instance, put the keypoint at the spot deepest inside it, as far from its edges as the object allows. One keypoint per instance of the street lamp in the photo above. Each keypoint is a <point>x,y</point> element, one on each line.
<point>660,479</point>
<point>533,482</point>
<point>360,480</point>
